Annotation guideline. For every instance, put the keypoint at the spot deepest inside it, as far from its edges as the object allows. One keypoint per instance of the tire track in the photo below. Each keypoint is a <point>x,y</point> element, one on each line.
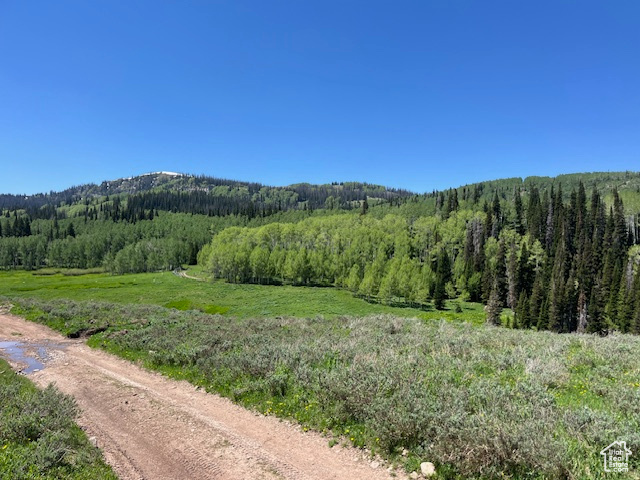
<point>151,427</point>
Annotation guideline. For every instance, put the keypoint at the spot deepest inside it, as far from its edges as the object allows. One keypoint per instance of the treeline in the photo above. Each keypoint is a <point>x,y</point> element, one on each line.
<point>15,225</point>
<point>559,265</point>
<point>166,242</point>
<point>224,200</point>
<point>118,237</point>
<point>202,195</point>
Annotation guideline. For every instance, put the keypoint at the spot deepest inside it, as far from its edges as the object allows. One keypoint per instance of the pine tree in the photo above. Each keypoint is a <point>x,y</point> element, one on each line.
<point>620,233</point>
<point>571,302</point>
<point>513,287</point>
<point>595,322</point>
<point>535,215</point>
<point>518,222</point>
<point>443,275</point>
<point>550,223</point>
<point>488,221</point>
<point>496,212</point>
<point>500,273</point>
<point>494,306</point>
<point>525,271</point>
<point>636,315</point>
<point>522,319</point>
<point>439,295</point>
<point>364,208</point>
<point>557,305</point>
<point>536,300</point>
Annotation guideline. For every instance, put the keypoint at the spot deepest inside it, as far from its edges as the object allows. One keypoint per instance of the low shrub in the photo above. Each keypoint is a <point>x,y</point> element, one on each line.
<point>478,401</point>
<point>38,436</point>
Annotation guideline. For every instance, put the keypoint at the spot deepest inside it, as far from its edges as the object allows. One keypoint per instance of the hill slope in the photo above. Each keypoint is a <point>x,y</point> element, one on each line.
<point>562,253</point>
<point>196,188</point>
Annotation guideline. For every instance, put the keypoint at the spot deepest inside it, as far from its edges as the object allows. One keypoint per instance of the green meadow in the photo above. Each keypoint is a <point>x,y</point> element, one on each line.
<point>238,300</point>
<point>409,384</point>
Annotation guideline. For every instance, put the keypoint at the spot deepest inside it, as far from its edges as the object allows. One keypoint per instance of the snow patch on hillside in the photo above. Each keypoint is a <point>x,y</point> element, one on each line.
<point>172,174</point>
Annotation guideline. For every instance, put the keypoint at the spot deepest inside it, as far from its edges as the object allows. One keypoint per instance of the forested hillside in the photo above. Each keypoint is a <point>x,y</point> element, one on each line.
<point>194,194</point>
<point>564,261</point>
<point>562,252</point>
<point>155,221</point>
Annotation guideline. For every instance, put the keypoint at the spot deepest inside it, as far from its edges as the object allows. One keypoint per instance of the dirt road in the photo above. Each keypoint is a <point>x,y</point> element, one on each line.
<point>151,427</point>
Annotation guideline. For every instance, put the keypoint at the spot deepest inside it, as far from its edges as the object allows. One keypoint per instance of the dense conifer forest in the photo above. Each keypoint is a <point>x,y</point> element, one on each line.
<point>561,253</point>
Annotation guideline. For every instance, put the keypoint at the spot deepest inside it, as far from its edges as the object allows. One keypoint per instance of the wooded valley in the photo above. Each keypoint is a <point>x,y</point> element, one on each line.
<point>561,253</point>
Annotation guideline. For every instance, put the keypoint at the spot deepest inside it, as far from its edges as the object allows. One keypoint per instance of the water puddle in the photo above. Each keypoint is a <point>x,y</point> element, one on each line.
<point>33,355</point>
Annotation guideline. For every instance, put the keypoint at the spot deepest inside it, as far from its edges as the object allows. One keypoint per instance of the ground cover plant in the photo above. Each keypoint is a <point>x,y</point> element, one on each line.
<point>38,436</point>
<point>478,401</point>
<point>167,289</point>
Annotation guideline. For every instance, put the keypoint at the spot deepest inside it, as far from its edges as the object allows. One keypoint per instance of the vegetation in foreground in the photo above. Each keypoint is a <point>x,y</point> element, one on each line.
<point>38,436</point>
<point>478,401</point>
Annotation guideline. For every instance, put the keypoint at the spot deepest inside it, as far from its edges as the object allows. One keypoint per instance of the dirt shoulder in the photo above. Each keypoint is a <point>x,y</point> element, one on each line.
<point>152,427</point>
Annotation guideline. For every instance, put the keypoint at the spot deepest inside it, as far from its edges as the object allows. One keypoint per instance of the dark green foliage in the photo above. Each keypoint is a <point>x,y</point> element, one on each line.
<point>522,312</point>
<point>146,194</point>
<point>561,251</point>
<point>443,275</point>
<point>503,234</point>
<point>90,225</point>
<point>149,245</point>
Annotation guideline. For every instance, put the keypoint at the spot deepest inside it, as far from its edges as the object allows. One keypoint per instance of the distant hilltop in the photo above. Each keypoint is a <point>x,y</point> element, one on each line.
<point>333,195</point>
<point>170,174</point>
<point>170,185</point>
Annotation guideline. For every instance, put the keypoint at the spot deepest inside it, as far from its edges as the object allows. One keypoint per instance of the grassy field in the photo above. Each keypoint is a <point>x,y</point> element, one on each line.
<point>38,438</point>
<point>244,301</point>
<point>478,401</point>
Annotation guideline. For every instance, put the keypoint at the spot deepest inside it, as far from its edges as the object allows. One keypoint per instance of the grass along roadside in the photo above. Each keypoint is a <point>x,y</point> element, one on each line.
<point>244,301</point>
<point>479,402</point>
<point>38,436</point>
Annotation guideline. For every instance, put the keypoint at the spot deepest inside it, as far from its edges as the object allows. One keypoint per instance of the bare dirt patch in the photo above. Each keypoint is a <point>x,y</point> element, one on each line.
<point>151,427</point>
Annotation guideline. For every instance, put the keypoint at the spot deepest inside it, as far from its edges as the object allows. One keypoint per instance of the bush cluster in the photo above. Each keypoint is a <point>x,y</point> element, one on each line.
<point>478,401</point>
<point>38,436</point>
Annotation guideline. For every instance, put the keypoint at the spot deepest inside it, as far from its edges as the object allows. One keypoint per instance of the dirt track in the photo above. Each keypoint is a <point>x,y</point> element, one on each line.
<point>151,427</point>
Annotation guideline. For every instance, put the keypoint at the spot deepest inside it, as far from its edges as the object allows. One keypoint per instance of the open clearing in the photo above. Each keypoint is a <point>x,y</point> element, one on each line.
<point>237,300</point>
<point>151,427</point>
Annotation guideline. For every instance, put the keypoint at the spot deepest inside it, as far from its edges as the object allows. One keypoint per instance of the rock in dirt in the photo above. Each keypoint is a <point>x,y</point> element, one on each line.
<point>428,469</point>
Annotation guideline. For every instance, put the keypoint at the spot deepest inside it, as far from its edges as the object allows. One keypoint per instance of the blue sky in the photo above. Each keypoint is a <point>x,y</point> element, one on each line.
<point>416,94</point>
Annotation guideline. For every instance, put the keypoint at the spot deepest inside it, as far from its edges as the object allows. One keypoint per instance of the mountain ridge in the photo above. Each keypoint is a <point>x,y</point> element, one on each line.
<point>314,195</point>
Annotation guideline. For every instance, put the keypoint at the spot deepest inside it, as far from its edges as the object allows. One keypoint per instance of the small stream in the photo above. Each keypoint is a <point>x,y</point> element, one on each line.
<point>31,354</point>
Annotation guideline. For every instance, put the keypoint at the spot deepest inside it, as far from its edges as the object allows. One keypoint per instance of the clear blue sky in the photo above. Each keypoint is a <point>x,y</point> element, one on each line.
<point>415,94</point>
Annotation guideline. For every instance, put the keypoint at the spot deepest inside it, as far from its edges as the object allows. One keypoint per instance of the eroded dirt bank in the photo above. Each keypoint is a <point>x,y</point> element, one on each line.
<point>151,427</point>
